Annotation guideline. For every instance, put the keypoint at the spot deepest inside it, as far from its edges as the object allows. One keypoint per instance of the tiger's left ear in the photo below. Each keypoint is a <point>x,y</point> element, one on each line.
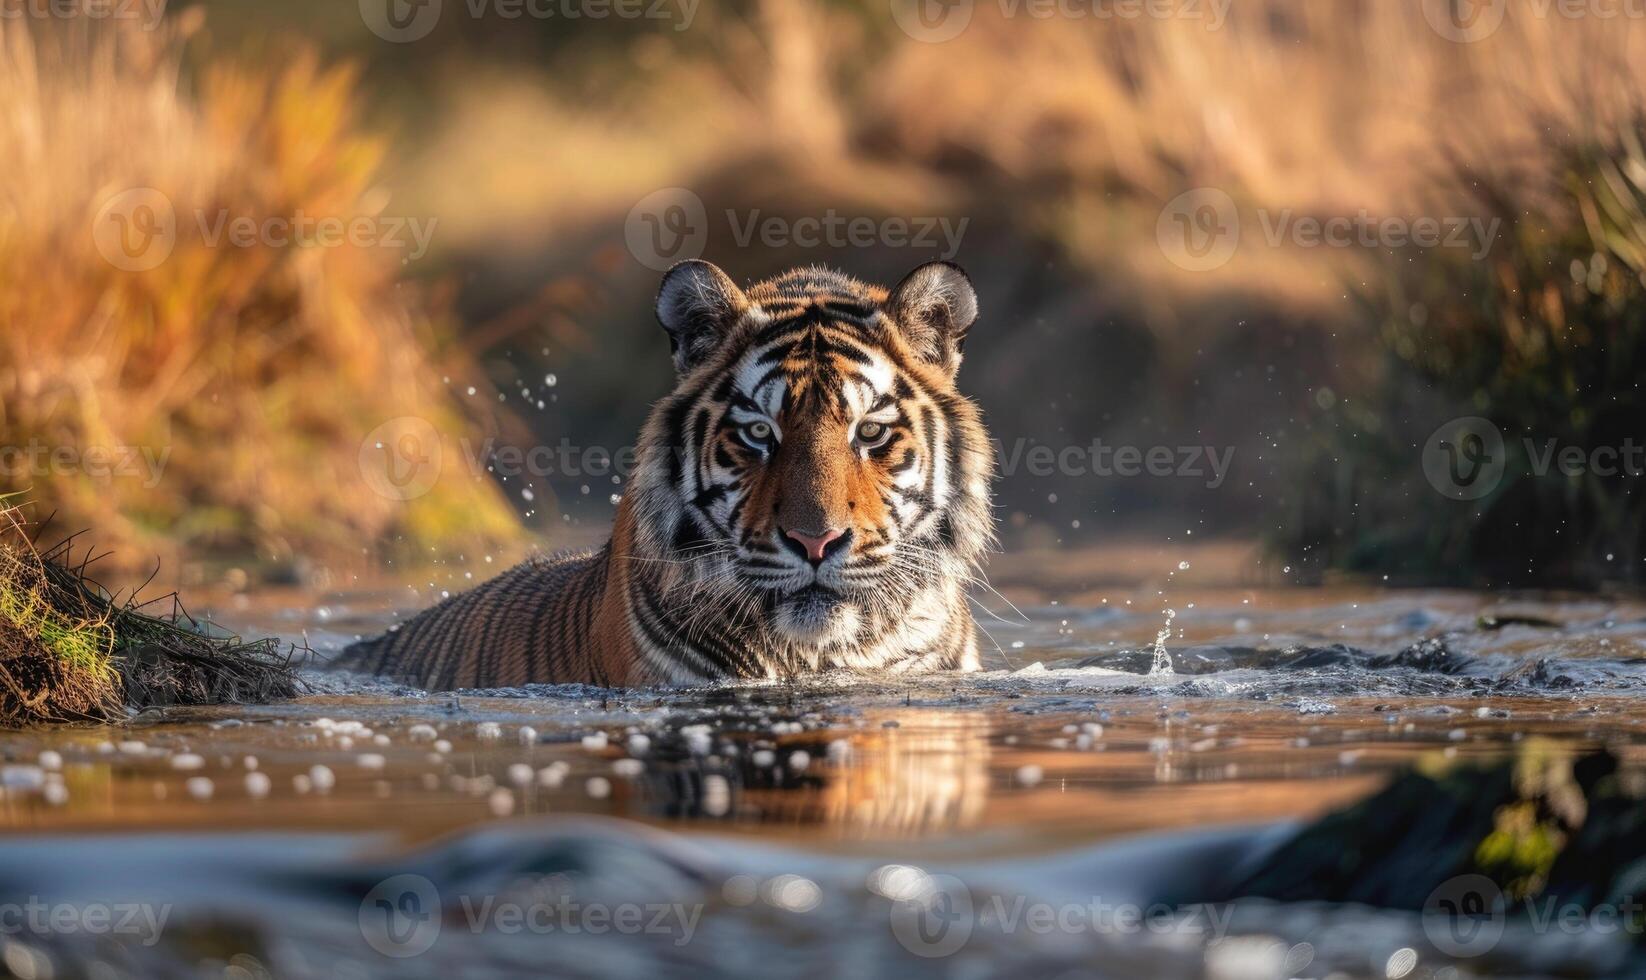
<point>698,305</point>
<point>935,306</point>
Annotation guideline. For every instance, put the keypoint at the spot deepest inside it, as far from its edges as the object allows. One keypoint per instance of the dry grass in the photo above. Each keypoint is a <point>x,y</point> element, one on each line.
<point>252,373</point>
<point>1080,130</point>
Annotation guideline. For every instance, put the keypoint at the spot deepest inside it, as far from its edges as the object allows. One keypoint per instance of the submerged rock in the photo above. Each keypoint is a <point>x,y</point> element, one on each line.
<point>1544,826</point>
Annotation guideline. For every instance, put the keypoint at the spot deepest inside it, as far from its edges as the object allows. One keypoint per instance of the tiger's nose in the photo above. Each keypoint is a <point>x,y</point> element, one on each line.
<point>816,548</point>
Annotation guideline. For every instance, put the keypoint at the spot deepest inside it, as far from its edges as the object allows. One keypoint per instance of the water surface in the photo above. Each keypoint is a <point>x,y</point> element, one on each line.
<point>798,821</point>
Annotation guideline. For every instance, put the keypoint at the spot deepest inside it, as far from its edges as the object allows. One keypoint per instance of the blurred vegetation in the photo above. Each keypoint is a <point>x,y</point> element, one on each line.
<point>1547,340</point>
<point>1058,140</point>
<point>245,378</point>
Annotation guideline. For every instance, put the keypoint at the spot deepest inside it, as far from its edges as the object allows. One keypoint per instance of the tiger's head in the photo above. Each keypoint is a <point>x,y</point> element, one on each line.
<point>815,471</point>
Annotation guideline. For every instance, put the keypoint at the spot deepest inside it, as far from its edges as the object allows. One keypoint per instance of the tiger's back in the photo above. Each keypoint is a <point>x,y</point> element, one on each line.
<point>532,624</point>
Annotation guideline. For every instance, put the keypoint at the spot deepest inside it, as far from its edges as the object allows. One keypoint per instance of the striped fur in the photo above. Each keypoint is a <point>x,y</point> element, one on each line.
<point>808,404</point>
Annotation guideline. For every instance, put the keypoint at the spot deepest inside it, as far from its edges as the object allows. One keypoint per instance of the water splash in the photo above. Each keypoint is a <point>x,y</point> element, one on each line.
<point>1162,659</point>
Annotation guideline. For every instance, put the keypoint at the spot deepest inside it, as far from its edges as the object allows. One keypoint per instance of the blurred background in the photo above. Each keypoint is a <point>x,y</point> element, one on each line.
<point>1348,289</point>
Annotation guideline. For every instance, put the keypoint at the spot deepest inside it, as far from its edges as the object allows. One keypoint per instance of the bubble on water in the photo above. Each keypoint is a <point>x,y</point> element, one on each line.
<point>55,794</point>
<point>598,787</point>
<point>488,731</point>
<point>1030,775</point>
<point>628,768</point>
<point>501,801</point>
<point>717,795</point>
<point>596,742</point>
<point>528,735</point>
<point>185,761</point>
<point>369,760</point>
<point>50,760</point>
<point>901,883</point>
<point>550,380</point>
<point>200,787</point>
<point>740,890</point>
<point>322,778</point>
<point>793,893</point>
<point>258,785</point>
<point>799,761</point>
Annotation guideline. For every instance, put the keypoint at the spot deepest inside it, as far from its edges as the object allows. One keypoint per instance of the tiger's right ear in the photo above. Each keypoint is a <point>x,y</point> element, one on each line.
<point>698,305</point>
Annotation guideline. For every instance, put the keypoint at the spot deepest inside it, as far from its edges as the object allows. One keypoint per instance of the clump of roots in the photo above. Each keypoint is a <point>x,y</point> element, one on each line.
<point>70,651</point>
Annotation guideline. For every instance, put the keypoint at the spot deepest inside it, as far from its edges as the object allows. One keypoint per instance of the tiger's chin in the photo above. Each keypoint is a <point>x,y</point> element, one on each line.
<point>817,617</point>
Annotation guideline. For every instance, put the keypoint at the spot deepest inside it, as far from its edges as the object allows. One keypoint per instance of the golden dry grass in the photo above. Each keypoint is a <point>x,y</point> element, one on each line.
<point>252,373</point>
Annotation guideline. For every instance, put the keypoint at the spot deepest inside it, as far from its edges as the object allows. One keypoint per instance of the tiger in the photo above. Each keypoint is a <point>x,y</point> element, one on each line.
<point>812,496</point>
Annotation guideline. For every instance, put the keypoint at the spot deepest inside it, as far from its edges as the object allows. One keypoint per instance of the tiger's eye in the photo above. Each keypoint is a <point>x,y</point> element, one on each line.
<point>760,430</point>
<point>870,431</point>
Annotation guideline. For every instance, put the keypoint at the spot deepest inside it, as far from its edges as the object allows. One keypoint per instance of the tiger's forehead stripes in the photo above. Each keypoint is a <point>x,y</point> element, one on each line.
<point>820,354</point>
